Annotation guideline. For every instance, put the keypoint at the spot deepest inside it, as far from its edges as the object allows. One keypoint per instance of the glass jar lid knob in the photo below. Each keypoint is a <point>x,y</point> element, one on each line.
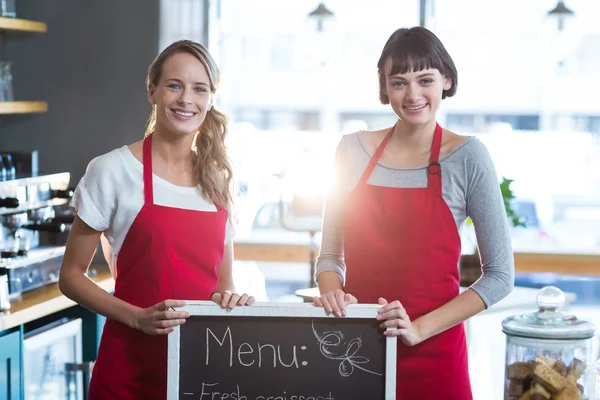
<point>550,298</point>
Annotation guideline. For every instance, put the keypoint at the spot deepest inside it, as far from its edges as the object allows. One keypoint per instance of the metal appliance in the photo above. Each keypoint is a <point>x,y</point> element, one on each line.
<point>34,225</point>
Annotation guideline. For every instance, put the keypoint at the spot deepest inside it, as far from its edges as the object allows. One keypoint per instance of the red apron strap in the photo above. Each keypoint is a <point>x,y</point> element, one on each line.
<point>434,170</point>
<point>375,158</point>
<point>147,159</point>
<point>434,175</point>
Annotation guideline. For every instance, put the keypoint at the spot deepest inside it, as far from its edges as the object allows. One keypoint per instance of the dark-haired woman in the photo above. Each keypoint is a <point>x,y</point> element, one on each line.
<point>390,231</point>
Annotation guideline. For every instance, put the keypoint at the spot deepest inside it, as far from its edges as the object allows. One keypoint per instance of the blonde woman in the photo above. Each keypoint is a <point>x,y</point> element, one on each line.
<point>160,208</point>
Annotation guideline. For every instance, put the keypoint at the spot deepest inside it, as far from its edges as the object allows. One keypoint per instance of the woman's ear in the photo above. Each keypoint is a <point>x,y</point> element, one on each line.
<point>447,82</point>
<point>151,91</point>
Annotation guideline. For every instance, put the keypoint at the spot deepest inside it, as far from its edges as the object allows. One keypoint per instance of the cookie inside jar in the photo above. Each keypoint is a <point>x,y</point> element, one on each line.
<point>548,352</point>
<point>546,378</point>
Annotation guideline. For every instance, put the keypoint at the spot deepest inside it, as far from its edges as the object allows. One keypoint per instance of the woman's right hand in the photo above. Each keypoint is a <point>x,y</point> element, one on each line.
<point>335,302</point>
<point>161,318</point>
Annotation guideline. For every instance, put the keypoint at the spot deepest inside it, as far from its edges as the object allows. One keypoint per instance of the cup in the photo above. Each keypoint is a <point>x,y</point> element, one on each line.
<point>15,288</point>
<point>4,296</point>
<point>6,80</point>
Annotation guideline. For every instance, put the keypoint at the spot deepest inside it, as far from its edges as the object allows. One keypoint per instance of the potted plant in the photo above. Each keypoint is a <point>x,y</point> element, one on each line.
<point>470,264</point>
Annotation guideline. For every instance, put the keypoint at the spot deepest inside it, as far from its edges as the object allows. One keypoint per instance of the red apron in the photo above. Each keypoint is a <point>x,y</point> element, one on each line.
<point>168,253</point>
<point>402,244</point>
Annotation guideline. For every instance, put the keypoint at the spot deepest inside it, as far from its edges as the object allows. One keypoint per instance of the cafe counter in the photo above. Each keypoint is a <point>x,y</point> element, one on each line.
<point>48,300</point>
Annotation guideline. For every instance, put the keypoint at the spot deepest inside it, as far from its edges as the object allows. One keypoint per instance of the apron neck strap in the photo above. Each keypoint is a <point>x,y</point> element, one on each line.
<point>434,169</point>
<point>376,156</point>
<point>147,161</point>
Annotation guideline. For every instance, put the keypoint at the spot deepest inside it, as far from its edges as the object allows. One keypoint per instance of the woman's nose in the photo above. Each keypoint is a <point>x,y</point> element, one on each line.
<point>414,92</point>
<point>185,97</point>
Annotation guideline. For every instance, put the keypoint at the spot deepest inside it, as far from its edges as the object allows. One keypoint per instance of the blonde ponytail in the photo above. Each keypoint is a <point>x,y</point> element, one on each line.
<point>212,167</point>
<point>151,124</point>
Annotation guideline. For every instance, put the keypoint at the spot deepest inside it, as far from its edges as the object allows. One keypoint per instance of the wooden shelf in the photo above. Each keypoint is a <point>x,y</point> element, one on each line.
<point>23,107</point>
<point>21,25</point>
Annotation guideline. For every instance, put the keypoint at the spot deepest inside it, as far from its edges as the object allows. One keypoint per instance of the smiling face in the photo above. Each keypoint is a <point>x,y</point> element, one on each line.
<point>415,96</point>
<point>182,96</point>
<point>415,74</point>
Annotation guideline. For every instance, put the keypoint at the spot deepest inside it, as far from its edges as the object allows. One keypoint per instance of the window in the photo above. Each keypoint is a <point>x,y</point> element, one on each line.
<point>593,124</point>
<point>279,119</point>
<point>251,48</point>
<point>371,121</point>
<point>258,118</point>
<point>587,123</point>
<point>309,120</point>
<point>509,82</point>
<point>518,122</point>
<point>469,123</point>
<point>282,51</point>
<point>462,123</point>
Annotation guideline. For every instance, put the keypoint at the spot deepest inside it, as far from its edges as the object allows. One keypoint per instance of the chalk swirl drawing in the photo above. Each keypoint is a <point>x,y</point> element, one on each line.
<point>333,347</point>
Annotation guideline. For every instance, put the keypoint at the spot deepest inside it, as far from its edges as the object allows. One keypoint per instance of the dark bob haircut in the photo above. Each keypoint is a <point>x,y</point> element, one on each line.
<point>415,49</point>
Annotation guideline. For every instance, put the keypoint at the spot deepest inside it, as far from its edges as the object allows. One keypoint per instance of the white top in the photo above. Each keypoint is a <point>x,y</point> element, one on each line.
<point>111,194</point>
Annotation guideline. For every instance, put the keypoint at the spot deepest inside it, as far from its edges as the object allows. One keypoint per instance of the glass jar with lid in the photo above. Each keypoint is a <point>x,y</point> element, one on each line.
<point>549,353</point>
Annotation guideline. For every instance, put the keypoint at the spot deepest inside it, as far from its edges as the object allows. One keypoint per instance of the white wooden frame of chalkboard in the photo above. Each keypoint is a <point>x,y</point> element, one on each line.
<point>293,310</point>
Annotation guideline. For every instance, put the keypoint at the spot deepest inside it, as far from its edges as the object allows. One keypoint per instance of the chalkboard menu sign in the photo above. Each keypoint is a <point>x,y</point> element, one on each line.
<point>276,351</point>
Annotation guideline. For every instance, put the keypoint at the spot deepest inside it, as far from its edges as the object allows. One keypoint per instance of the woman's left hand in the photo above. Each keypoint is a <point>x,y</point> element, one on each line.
<point>395,316</point>
<point>228,299</point>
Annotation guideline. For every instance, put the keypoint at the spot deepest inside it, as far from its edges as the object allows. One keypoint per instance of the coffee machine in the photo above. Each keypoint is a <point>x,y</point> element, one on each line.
<point>34,223</point>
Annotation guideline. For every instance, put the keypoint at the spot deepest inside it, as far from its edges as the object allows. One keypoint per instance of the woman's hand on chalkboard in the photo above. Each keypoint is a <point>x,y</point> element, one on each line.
<point>394,316</point>
<point>161,318</point>
<point>335,302</point>
<point>227,299</point>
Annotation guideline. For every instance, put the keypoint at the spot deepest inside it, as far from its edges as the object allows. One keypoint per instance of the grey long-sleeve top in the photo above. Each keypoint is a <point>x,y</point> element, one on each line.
<point>470,188</point>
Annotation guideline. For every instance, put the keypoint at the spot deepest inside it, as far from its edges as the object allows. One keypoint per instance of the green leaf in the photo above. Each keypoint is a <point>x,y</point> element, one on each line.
<point>507,197</point>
